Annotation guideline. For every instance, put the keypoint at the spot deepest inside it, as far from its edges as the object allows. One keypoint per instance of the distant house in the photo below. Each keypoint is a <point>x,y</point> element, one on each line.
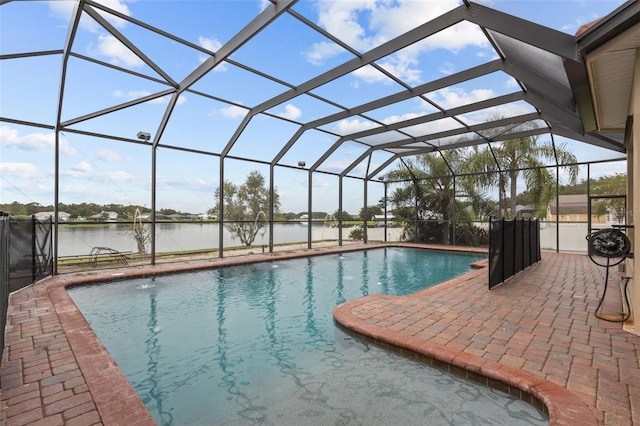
<point>62,216</point>
<point>379,218</point>
<point>573,208</point>
<point>96,217</point>
<point>110,215</point>
<point>525,212</point>
<point>104,217</point>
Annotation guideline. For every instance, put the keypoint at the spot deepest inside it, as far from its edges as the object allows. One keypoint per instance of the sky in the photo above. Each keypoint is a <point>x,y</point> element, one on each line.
<point>103,171</point>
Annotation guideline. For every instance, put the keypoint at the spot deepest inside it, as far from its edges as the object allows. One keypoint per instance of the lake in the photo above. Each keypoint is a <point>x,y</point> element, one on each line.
<point>79,239</point>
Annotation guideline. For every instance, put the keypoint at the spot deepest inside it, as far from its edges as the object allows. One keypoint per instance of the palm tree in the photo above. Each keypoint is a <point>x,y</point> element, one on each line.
<point>432,188</point>
<point>429,193</point>
<point>502,164</point>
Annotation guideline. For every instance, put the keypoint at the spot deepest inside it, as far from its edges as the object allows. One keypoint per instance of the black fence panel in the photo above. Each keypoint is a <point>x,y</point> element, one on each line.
<point>526,246</point>
<point>495,252</point>
<point>536,254</point>
<point>508,253</point>
<point>30,251</point>
<point>42,264</point>
<point>518,252</point>
<point>20,253</point>
<point>26,255</point>
<point>4,275</point>
<point>513,246</point>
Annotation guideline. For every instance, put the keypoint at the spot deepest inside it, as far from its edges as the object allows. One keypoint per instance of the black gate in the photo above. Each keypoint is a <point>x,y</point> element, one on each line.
<point>4,275</point>
<point>26,256</point>
<point>30,251</point>
<point>514,245</point>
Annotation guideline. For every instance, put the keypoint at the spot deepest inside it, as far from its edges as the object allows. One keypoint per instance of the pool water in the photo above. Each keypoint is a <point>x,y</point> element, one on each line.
<point>256,344</point>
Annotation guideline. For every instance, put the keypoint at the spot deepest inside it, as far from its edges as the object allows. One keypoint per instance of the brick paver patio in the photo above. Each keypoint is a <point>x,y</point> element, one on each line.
<point>535,335</point>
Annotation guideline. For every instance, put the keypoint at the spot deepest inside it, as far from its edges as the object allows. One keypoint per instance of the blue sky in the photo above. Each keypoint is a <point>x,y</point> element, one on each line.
<point>94,169</point>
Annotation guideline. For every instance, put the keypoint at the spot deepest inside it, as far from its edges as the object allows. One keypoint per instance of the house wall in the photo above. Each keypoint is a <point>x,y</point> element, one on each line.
<point>579,218</point>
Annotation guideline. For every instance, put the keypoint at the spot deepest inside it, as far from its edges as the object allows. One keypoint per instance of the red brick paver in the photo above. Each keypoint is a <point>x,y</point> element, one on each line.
<point>535,335</point>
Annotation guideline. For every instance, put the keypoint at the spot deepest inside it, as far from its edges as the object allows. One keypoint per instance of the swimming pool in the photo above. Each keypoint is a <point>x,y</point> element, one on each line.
<point>256,344</point>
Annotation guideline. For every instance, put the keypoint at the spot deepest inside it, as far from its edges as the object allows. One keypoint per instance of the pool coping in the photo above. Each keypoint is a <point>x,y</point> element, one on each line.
<point>117,402</point>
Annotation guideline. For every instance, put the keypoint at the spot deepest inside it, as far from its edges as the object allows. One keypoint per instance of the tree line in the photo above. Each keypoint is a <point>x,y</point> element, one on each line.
<point>79,210</point>
<point>85,210</point>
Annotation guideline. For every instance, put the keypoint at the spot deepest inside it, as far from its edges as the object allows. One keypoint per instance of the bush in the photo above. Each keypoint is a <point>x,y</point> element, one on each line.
<point>357,233</point>
<point>435,232</point>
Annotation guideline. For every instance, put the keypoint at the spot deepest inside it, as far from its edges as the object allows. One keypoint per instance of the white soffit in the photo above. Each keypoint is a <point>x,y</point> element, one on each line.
<point>611,69</point>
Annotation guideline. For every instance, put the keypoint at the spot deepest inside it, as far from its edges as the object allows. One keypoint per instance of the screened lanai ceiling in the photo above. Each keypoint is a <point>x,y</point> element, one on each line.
<point>287,87</point>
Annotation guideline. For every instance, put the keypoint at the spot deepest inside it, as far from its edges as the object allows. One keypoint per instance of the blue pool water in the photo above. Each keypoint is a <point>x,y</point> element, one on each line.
<point>256,344</point>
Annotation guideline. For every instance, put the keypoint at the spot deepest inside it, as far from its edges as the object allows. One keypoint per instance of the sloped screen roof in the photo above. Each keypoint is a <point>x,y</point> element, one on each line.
<point>284,84</point>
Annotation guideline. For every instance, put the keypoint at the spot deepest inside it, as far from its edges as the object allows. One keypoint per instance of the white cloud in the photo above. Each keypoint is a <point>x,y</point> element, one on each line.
<point>64,9</point>
<point>61,9</point>
<point>80,171</point>
<point>404,66</point>
<point>345,127</point>
<point>370,75</point>
<point>20,170</point>
<point>339,166</point>
<point>108,155</point>
<point>572,28</point>
<point>263,4</point>
<point>211,44</point>
<point>120,176</point>
<point>131,94</point>
<point>82,167</point>
<point>447,68</point>
<point>456,38</point>
<point>512,83</point>
<point>106,44</point>
<point>335,166</point>
<point>318,182</point>
<point>321,51</point>
<point>397,118</point>
<point>165,100</point>
<point>137,94</point>
<point>193,184</point>
<point>452,97</point>
<point>506,110</point>
<point>291,112</point>
<point>117,52</point>
<point>38,142</point>
<point>364,24</point>
<point>117,5</point>
<point>233,112</point>
<point>84,193</point>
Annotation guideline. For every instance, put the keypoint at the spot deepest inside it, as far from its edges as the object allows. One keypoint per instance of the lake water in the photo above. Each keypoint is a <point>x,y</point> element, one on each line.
<point>79,239</point>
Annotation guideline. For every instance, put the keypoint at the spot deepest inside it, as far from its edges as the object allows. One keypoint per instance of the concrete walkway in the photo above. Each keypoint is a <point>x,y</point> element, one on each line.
<point>535,336</point>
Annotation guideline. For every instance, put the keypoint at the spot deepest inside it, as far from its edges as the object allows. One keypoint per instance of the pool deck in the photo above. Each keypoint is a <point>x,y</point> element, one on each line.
<point>535,336</point>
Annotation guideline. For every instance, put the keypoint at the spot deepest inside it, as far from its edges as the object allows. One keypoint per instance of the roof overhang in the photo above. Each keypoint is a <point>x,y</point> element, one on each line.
<point>609,51</point>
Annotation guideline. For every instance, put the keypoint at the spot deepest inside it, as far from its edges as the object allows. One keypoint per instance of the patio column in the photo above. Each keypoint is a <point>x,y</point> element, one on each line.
<point>633,185</point>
